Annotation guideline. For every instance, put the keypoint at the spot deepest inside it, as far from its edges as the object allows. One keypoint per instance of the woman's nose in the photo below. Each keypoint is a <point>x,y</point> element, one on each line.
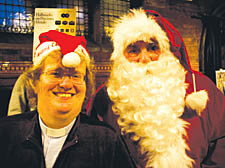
<point>66,82</point>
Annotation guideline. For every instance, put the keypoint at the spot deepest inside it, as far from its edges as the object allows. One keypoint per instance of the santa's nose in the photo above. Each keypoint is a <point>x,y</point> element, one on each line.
<point>146,56</point>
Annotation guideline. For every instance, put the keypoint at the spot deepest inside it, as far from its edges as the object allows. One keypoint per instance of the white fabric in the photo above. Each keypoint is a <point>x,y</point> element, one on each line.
<point>53,140</point>
<point>71,60</point>
<point>43,50</point>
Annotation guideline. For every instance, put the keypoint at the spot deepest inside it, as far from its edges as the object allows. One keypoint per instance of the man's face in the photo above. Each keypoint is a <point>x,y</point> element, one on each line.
<point>60,91</point>
<point>142,52</point>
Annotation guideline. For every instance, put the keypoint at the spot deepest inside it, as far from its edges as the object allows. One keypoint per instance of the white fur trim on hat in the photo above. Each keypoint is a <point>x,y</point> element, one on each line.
<point>43,50</point>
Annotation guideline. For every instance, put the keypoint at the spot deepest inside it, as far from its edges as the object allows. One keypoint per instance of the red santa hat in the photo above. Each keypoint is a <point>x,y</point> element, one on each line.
<point>73,48</point>
<point>147,24</point>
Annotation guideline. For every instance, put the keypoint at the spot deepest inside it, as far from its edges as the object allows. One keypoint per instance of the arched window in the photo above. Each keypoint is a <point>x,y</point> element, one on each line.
<point>16,16</point>
<point>111,10</point>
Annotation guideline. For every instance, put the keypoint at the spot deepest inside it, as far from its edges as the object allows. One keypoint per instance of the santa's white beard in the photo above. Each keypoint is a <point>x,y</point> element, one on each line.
<point>149,99</point>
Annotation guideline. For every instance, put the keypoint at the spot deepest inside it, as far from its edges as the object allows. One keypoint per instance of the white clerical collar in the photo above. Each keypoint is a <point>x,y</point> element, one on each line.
<point>55,132</point>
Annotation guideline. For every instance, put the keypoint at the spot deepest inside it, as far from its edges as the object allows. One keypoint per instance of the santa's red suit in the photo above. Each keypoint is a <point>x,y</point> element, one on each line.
<point>203,113</point>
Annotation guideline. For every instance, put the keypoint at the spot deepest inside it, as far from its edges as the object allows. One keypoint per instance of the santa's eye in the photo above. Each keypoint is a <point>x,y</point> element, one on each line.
<point>132,49</point>
<point>152,47</point>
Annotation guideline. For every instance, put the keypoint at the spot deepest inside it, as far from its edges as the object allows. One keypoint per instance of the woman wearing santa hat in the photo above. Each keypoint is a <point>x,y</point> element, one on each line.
<point>169,115</point>
<point>57,134</point>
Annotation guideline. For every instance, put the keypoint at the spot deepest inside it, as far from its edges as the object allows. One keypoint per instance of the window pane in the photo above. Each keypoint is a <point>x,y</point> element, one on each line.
<point>16,2</point>
<point>2,21</point>
<point>8,8</point>
<point>17,16</point>
<point>112,9</point>
<point>19,13</point>
<point>21,2</point>
<point>9,15</point>
<point>2,14</point>
<point>9,1</point>
<point>9,22</point>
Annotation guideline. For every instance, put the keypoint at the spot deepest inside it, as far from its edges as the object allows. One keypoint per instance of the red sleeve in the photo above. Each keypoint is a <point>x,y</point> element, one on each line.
<point>214,114</point>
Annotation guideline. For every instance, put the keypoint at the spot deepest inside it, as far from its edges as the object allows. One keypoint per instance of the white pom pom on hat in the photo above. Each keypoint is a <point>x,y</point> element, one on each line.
<point>72,47</point>
<point>71,60</point>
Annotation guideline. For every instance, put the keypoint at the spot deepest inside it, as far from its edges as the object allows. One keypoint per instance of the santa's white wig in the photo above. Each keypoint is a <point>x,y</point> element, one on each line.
<point>137,26</point>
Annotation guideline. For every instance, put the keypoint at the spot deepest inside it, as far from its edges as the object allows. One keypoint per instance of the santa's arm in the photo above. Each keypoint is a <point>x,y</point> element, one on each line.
<point>214,113</point>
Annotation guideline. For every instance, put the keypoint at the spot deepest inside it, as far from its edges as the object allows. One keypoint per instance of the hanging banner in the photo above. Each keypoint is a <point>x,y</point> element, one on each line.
<point>45,19</point>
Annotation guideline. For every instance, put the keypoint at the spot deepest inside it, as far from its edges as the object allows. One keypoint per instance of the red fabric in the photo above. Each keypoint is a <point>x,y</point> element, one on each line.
<point>205,133</point>
<point>89,106</point>
<point>66,42</point>
<point>177,45</point>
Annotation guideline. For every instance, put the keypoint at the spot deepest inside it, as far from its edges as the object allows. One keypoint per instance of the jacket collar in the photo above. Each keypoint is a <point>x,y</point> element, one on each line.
<point>34,133</point>
<point>73,136</point>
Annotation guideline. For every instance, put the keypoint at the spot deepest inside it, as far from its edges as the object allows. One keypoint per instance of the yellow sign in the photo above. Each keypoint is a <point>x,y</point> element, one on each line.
<point>45,19</point>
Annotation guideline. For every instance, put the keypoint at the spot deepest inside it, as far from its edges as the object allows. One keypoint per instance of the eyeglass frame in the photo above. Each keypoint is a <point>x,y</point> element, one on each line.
<point>57,76</point>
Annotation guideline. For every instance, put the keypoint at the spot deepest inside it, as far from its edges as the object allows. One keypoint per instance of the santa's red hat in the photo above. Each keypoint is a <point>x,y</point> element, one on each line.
<point>73,48</point>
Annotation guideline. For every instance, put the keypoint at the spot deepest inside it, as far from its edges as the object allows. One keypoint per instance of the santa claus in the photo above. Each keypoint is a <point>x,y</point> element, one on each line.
<point>172,114</point>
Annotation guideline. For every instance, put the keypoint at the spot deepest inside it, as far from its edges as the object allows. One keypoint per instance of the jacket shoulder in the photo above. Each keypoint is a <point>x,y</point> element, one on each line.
<point>15,120</point>
<point>94,122</point>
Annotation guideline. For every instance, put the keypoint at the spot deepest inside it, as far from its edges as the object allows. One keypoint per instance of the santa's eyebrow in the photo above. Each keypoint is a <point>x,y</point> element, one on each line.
<point>154,40</point>
<point>132,45</point>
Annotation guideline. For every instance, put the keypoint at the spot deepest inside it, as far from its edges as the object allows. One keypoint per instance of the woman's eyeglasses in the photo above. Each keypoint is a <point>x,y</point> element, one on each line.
<point>57,76</point>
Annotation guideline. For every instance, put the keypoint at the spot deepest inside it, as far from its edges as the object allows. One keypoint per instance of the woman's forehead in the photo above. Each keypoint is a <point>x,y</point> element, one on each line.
<point>55,63</point>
